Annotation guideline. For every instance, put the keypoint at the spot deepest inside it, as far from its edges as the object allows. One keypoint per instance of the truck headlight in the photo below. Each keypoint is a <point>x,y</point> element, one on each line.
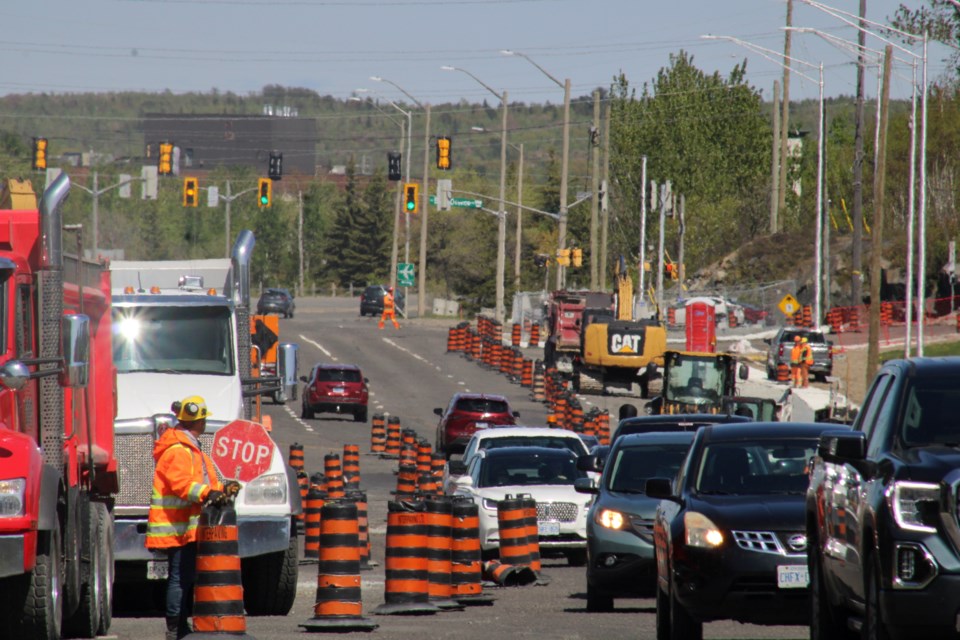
<point>911,505</point>
<point>270,489</point>
<point>700,531</point>
<point>11,497</point>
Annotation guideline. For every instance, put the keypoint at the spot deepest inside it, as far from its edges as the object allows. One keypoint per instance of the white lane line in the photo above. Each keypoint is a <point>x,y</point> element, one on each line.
<point>405,350</point>
<point>318,346</point>
<point>297,418</point>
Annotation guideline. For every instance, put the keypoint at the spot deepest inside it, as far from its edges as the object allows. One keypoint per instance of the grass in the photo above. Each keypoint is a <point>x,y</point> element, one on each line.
<point>932,350</point>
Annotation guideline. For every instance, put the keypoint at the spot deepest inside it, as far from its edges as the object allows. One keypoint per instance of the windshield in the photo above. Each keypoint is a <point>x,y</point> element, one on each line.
<point>173,339</point>
<point>696,380</point>
<point>574,445</point>
<point>339,375</point>
<point>633,466</point>
<point>930,415</point>
<point>511,470</point>
<point>758,467</point>
<point>482,405</point>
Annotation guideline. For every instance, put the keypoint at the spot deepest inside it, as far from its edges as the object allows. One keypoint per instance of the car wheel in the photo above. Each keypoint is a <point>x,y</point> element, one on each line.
<point>682,624</point>
<point>598,602</point>
<point>306,413</point>
<point>824,618</point>
<point>663,615</point>
<point>576,557</point>
<point>873,627</point>
<point>360,416</point>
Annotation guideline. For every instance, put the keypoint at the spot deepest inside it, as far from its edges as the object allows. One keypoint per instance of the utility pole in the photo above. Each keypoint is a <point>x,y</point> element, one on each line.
<point>876,250</point>
<point>519,248</point>
<point>681,226</point>
<point>594,199</point>
<point>785,116</point>
<point>562,226</point>
<point>422,276</point>
<point>856,277</point>
<point>775,160</point>
<point>664,197</point>
<point>300,238</point>
<point>605,201</point>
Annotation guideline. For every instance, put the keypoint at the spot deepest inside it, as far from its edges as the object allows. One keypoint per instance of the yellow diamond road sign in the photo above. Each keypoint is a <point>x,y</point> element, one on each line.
<point>789,305</point>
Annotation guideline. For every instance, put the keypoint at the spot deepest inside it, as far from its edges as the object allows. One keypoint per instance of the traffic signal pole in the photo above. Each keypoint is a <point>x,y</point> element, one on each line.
<point>96,192</point>
<point>422,275</point>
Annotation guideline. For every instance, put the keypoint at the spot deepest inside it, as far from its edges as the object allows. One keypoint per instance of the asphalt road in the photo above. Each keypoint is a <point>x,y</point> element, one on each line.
<point>410,373</point>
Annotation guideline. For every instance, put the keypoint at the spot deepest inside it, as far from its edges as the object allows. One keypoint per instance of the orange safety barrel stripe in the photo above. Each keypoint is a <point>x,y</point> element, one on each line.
<point>230,624</point>
<point>217,593</point>
<point>339,581</point>
<point>337,608</point>
<point>218,563</point>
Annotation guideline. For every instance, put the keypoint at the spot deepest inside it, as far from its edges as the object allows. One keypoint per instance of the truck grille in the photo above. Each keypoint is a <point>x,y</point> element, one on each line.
<point>135,460</point>
<point>560,511</point>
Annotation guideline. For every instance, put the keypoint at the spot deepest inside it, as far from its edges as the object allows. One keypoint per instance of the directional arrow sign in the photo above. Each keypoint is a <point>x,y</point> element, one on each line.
<point>405,274</point>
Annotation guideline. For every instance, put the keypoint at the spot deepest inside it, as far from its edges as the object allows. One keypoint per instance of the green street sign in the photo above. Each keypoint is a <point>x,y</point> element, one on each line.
<point>464,203</point>
<point>405,274</point>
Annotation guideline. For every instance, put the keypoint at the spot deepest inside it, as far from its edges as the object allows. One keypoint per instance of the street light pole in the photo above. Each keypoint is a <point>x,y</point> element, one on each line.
<point>519,247</point>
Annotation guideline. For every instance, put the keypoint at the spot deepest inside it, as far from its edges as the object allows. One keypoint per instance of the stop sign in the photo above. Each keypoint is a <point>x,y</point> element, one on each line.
<point>242,450</point>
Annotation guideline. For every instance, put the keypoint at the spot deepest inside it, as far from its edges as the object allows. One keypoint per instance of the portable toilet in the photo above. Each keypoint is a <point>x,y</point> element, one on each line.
<point>701,326</point>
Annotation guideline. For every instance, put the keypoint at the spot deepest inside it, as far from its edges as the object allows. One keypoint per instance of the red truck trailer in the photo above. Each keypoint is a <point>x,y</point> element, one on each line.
<point>58,471</point>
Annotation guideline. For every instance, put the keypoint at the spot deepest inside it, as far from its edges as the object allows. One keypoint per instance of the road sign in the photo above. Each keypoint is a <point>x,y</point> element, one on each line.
<point>242,450</point>
<point>789,305</point>
<point>406,276</point>
<point>460,202</point>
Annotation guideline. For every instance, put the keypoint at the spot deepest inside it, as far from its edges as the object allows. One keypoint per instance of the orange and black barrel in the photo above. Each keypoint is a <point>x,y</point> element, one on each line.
<point>517,374</point>
<point>539,392</point>
<point>408,455</point>
<point>334,474</point>
<point>351,466</point>
<point>408,437</point>
<point>534,335</point>
<point>427,484</point>
<point>529,505</point>
<point>438,512</point>
<point>526,373</point>
<point>317,480</point>
<point>363,527</point>
<point>603,427</point>
<point>515,334</point>
<point>296,459</point>
<point>407,584</point>
<point>424,451</point>
<point>303,484</point>
<point>378,434</point>
<point>576,415</point>
<point>218,590</point>
<point>406,482</point>
<point>466,570</point>
<point>508,575</point>
<point>452,340</point>
<point>438,465</point>
<point>513,531</point>
<point>393,438</point>
<point>312,510</point>
<point>338,605</point>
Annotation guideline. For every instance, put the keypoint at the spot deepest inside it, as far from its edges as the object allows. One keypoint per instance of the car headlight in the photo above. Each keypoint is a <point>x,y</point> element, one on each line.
<point>610,519</point>
<point>489,504</point>
<point>270,489</point>
<point>701,531</point>
<point>11,497</point>
<point>907,505</point>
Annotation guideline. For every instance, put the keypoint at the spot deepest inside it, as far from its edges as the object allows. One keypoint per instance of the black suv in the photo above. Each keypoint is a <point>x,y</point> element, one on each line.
<point>371,300</point>
<point>275,300</point>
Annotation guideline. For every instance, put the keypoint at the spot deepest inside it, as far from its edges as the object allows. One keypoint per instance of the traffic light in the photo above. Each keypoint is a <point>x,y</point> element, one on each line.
<point>563,257</point>
<point>541,259</point>
<point>165,159</point>
<point>393,166</point>
<point>275,166</point>
<point>411,197</point>
<point>443,153</point>
<point>39,153</point>
<point>191,191</point>
<point>578,257</point>
<point>264,192</point>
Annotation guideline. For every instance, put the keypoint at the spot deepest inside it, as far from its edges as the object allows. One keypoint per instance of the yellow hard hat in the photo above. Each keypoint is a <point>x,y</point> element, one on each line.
<point>803,340</point>
<point>191,409</point>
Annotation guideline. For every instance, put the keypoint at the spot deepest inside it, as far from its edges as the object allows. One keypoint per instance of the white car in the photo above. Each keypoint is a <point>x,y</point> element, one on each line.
<point>547,475</point>
<point>498,437</point>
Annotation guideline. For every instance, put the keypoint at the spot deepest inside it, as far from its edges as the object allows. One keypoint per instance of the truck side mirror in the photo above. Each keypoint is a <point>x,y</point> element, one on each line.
<point>14,375</point>
<point>75,347</point>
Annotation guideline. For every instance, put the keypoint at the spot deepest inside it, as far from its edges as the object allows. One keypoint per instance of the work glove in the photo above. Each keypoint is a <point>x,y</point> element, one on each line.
<point>217,498</point>
<point>231,488</point>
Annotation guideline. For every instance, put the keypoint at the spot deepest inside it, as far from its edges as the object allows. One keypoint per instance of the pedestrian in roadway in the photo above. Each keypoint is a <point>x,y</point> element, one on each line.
<point>806,361</point>
<point>184,480</point>
<point>796,357</point>
<point>388,310</point>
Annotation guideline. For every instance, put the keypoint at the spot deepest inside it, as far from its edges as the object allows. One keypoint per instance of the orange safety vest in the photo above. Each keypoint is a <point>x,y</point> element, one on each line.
<point>387,303</point>
<point>807,356</point>
<point>796,355</point>
<point>183,477</point>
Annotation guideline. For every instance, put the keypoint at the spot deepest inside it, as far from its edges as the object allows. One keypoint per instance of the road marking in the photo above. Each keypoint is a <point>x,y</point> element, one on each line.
<point>318,346</point>
<point>404,349</point>
<point>296,418</point>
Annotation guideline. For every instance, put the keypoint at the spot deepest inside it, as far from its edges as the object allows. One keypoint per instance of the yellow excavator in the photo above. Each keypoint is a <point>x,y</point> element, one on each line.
<point>617,351</point>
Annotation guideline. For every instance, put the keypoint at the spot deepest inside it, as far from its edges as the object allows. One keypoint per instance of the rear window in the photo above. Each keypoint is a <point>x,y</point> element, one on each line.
<point>482,405</point>
<point>812,338</point>
<point>339,375</point>
<point>550,442</point>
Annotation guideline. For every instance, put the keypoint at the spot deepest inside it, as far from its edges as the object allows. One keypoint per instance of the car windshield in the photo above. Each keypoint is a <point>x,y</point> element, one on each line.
<point>520,470</point>
<point>930,414</point>
<point>633,466</point>
<point>757,467</point>
<point>550,442</point>
<point>338,375</point>
<point>482,405</point>
<point>696,380</point>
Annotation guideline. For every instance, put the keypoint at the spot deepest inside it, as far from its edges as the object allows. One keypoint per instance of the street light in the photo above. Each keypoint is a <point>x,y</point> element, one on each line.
<point>422,281</point>
<point>779,59</point>
<point>501,213</point>
<point>564,170</point>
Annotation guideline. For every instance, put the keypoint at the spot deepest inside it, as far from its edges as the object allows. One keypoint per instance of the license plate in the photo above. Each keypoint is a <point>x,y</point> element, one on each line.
<point>793,576</point>
<point>548,528</point>
<point>157,569</point>
<point>338,389</point>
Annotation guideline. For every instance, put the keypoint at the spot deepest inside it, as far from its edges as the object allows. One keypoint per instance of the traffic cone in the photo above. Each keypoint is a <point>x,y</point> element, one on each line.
<point>439,517</point>
<point>406,588</point>
<point>467,570</point>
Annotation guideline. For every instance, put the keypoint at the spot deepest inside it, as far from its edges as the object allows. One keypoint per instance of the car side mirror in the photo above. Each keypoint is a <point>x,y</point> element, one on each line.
<point>843,447</point>
<point>438,411</point>
<point>304,379</point>
<point>589,462</point>
<point>516,414</point>
<point>585,485</point>
<point>366,380</point>
<point>456,467</point>
<point>661,488</point>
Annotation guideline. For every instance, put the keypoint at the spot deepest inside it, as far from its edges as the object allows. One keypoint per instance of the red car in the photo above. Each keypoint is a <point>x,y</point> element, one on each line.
<point>466,410</point>
<point>335,388</point>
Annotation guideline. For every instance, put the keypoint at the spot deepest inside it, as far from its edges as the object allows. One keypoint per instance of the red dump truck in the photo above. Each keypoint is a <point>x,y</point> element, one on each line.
<point>563,315</point>
<point>58,471</point>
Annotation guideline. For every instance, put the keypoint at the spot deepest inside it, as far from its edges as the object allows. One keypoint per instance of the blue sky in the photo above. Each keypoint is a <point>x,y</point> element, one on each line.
<point>334,46</point>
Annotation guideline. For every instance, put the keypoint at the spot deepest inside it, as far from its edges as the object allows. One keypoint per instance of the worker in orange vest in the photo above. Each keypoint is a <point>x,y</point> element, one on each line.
<point>388,309</point>
<point>806,361</point>
<point>796,358</point>
<point>184,480</point>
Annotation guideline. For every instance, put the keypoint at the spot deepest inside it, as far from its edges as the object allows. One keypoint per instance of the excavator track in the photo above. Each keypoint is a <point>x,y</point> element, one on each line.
<point>589,384</point>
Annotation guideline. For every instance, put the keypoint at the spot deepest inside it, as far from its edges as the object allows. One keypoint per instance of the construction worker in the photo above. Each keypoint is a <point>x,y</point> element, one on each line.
<point>184,480</point>
<point>806,361</point>
<point>796,357</point>
<point>388,309</point>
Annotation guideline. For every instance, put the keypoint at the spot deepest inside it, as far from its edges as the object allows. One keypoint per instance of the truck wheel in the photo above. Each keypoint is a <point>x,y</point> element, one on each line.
<point>873,627</point>
<point>85,621</point>
<point>270,581</point>
<point>43,605</point>
<point>682,625</point>
<point>107,571</point>
<point>824,623</point>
